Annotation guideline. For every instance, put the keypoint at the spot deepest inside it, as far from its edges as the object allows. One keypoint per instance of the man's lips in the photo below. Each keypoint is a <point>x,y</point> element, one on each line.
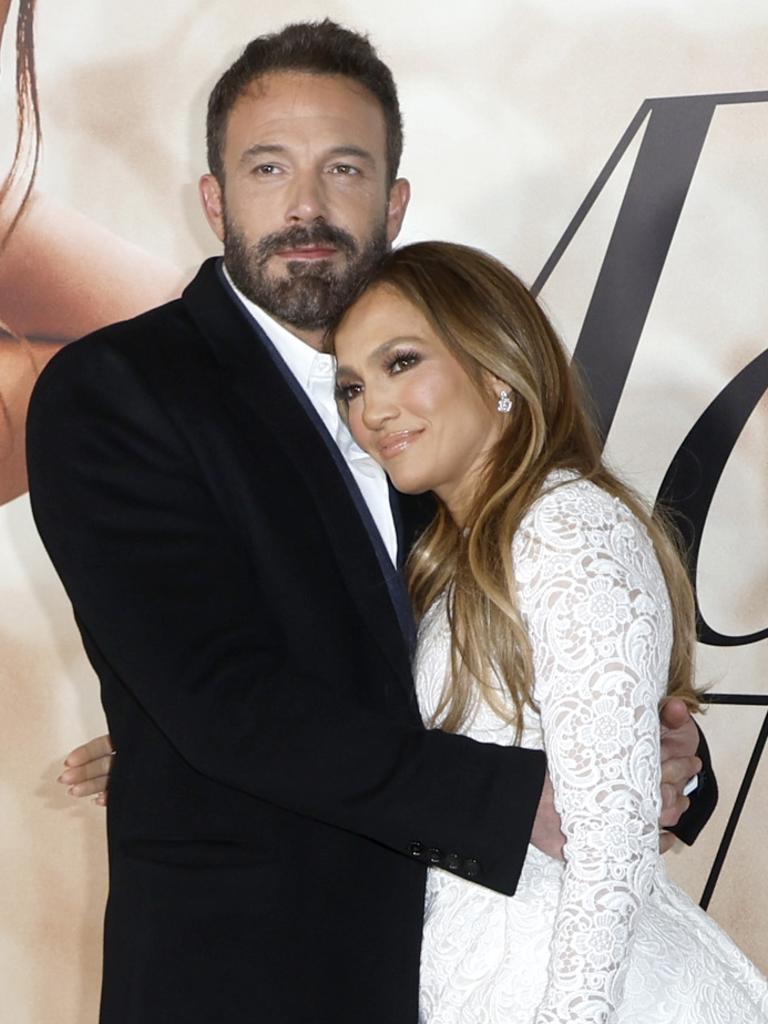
<point>308,252</point>
<point>397,442</point>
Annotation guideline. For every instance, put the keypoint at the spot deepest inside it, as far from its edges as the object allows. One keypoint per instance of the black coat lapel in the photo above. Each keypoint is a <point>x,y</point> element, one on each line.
<point>265,397</point>
<point>412,514</point>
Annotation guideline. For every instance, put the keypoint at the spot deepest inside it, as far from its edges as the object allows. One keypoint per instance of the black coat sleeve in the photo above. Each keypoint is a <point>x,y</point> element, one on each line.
<point>162,590</point>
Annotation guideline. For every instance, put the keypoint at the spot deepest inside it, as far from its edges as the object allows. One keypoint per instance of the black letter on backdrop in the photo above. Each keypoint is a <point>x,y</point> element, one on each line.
<point>665,165</point>
<point>692,478</point>
<point>674,137</point>
<point>642,235</point>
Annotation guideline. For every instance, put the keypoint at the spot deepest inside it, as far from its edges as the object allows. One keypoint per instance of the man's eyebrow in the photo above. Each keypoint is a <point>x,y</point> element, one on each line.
<point>262,149</point>
<point>356,151</point>
<point>275,149</point>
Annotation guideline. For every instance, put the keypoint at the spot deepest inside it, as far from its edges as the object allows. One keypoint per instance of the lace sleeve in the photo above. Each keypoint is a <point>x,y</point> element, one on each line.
<point>600,623</point>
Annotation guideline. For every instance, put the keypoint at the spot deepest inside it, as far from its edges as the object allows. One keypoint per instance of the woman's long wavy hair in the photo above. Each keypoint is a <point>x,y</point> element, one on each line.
<point>17,184</point>
<point>490,322</point>
<point>28,133</point>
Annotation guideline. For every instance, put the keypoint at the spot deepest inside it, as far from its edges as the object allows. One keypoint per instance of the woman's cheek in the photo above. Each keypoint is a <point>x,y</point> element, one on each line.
<point>356,427</point>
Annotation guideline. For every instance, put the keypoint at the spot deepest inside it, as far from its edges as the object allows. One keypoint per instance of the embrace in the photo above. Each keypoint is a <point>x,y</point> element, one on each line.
<point>332,798</point>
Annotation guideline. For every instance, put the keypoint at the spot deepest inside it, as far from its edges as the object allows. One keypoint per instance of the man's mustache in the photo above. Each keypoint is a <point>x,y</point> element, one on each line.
<point>293,238</point>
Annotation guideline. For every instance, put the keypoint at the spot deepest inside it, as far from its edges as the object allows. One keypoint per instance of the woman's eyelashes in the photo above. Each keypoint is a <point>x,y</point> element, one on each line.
<point>396,362</point>
<point>346,391</point>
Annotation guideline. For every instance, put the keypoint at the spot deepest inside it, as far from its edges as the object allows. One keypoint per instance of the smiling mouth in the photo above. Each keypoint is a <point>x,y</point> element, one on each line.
<point>394,444</point>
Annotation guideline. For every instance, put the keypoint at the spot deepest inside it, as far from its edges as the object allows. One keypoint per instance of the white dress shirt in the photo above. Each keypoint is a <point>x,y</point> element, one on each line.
<point>316,373</point>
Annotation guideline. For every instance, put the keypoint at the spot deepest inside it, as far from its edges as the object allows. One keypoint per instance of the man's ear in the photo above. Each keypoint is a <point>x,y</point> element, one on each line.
<point>399,197</point>
<point>212,199</point>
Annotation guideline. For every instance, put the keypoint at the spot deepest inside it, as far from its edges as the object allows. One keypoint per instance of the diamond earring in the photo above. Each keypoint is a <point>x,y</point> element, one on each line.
<point>504,403</point>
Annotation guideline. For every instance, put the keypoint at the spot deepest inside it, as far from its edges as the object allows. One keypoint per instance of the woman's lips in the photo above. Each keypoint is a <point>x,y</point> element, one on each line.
<point>393,444</point>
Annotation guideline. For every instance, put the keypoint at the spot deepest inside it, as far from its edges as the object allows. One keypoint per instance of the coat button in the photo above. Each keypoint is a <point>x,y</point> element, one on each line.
<point>471,868</point>
<point>416,849</point>
<point>452,861</point>
<point>434,856</point>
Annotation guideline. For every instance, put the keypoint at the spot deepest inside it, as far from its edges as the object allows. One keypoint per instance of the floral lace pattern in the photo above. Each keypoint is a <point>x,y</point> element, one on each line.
<point>604,937</point>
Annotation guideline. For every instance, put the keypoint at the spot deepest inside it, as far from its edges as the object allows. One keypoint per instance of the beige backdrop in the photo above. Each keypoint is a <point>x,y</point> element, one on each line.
<point>511,110</point>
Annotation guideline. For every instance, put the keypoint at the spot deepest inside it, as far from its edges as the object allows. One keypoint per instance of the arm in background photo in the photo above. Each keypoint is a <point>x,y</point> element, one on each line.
<point>61,274</point>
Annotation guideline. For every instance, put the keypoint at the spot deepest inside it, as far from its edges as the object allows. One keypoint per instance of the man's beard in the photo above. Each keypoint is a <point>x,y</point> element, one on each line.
<point>312,294</point>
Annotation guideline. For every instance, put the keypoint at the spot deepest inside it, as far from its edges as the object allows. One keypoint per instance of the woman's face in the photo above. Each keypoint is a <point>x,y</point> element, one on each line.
<point>410,403</point>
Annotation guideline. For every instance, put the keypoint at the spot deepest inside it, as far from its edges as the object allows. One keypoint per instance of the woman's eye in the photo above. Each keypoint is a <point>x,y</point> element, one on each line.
<point>348,392</point>
<point>402,361</point>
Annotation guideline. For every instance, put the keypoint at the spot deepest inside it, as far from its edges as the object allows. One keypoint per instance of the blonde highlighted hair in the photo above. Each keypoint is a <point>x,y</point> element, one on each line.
<point>490,322</point>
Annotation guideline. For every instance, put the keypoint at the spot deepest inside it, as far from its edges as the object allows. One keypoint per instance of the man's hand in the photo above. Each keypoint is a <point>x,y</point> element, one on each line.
<point>546,835</point>
<point>87,768</point>
<point>679,764</point>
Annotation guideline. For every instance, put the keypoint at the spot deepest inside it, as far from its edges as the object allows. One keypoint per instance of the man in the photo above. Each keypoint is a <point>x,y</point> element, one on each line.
<point>230,556</point>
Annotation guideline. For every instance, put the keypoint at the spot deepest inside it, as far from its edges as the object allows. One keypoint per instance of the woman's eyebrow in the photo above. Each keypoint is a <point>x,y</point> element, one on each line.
<point>378,352</point>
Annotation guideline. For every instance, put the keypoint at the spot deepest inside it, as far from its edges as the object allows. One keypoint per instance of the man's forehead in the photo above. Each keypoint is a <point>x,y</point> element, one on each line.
<point>303,113</point>
<point>298,78</point>
<point>301,94</point>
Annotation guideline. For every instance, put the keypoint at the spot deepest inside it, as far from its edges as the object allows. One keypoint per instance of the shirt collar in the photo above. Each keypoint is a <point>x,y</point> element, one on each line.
<point>302,360</point>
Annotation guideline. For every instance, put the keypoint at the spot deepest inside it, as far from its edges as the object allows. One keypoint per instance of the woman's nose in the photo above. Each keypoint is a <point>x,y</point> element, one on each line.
<point>378,409</point>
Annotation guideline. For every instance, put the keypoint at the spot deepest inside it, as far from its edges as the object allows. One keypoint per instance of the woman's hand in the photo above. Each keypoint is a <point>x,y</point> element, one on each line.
<point>87,768</point>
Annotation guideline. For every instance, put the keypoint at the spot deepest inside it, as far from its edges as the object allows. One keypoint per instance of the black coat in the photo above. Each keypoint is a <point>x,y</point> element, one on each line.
<point>275,796</point>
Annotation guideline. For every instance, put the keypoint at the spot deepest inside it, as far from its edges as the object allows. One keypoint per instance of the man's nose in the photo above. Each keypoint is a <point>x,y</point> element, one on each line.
<point>307,201</point>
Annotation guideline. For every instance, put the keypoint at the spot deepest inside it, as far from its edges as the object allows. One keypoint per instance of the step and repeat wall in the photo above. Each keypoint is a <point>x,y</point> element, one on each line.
<point>614,154</point>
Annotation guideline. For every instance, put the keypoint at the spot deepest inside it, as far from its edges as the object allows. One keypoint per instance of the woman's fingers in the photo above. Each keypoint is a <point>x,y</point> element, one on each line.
<point>93,750</point>
<point>87,768</point>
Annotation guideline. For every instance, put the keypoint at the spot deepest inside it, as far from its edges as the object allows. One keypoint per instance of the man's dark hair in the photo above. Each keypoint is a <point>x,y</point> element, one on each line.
<point>316,47</point>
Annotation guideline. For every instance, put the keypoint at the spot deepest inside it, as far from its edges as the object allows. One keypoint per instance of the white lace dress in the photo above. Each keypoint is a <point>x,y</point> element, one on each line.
<point>606,936</point>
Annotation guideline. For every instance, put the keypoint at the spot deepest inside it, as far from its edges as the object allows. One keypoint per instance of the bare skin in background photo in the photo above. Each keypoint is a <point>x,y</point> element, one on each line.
<point>62,275</point>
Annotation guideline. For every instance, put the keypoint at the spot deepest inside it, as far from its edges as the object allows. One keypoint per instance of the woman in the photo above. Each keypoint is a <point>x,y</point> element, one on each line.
<point>554,611</point>
<point>61,274</point>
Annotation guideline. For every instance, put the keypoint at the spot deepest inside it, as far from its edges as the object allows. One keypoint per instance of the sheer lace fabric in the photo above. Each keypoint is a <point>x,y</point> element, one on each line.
<point>605,937</point>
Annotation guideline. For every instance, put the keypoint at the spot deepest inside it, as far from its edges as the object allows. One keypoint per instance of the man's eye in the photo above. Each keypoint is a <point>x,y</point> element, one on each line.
<point>266,170</point>
<point>345,169</point>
